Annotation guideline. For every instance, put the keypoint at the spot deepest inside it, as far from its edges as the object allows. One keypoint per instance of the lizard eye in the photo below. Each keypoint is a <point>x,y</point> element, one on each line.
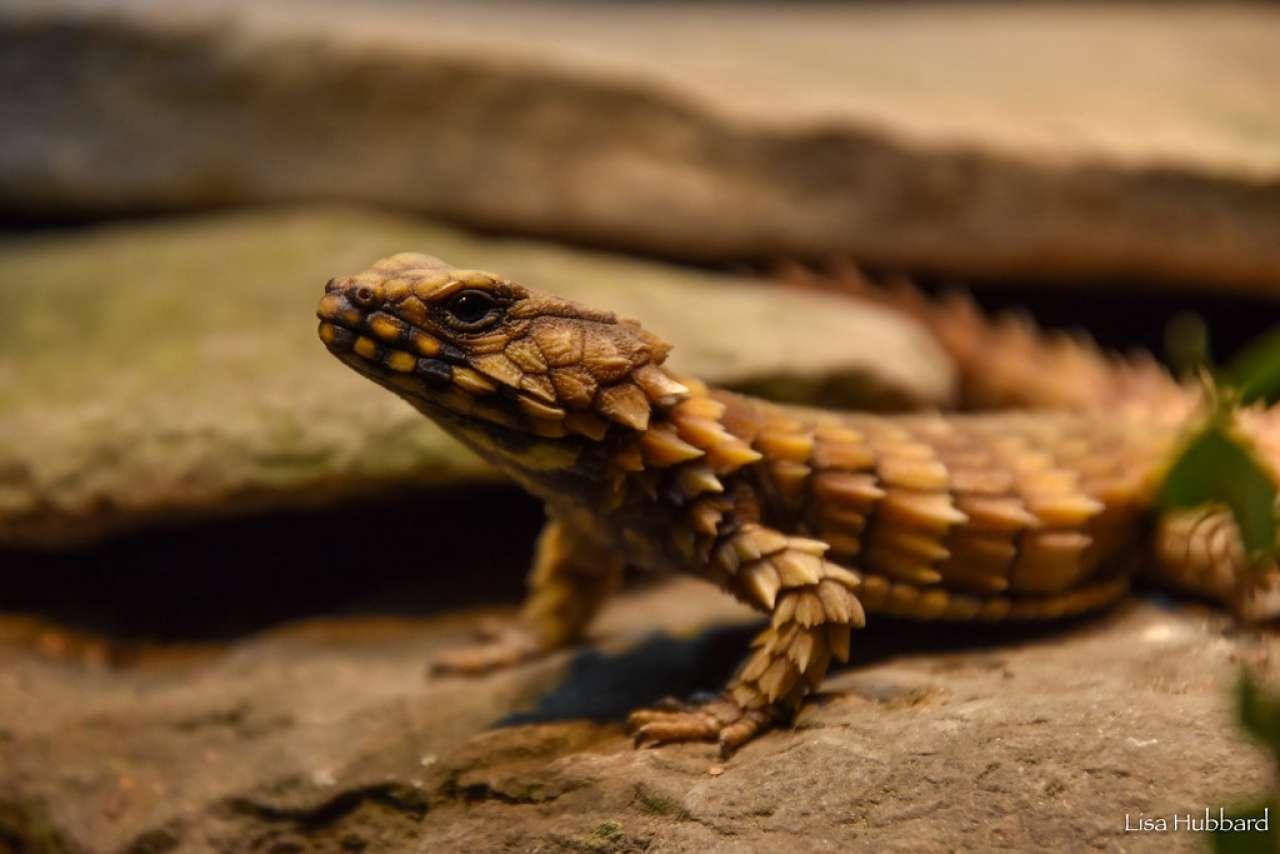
<point>471,309</point>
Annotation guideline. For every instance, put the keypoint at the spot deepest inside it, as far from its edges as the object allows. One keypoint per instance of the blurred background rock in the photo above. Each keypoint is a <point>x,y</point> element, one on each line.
<point>180,460</point>
<point>981,141</point>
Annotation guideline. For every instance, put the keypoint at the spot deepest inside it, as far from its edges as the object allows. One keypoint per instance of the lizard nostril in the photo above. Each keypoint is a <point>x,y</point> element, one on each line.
<point>364,295</point>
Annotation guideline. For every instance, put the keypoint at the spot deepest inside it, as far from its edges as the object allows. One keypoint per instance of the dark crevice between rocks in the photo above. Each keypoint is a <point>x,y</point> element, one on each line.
<point>378,817</point>
<point>399,797</point>
<point>410,554</point>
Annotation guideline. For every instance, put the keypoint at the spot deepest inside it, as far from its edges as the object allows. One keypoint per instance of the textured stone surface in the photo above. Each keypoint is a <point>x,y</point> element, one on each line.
<point>325,734</point>
<point>971,140</point>
<point>157,370</point>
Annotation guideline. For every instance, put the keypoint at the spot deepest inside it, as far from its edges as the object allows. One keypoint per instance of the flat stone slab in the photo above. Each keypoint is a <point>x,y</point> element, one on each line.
<point>157,371</point>
<point>974,140</point>
<point>326,735</point>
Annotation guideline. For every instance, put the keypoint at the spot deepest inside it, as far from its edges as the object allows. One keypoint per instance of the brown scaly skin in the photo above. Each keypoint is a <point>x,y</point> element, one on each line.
<point>813,517</point>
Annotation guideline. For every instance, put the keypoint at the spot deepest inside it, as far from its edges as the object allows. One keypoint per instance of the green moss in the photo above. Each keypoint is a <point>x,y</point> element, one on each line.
<point>608,830</point>
<point>659,804</point>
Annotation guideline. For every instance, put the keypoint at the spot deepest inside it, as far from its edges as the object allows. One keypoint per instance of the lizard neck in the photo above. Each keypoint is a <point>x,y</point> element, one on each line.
<point>653,490</point>
<point>673,487</point>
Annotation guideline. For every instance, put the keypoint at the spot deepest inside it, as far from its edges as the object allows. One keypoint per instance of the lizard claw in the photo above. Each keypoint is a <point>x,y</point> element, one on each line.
<point>719,719</point>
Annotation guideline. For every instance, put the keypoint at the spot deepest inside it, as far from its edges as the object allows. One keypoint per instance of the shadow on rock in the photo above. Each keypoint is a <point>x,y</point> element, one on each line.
<point>602,686</point>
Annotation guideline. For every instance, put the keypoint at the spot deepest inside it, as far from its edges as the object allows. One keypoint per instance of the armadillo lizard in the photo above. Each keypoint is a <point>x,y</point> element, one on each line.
<point>813,517</point>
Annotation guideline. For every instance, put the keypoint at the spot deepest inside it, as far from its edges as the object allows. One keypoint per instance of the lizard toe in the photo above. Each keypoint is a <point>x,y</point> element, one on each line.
<point>677,727</point>
<point>654,714</point>
<point>741,731</point>
<point>717,719</point>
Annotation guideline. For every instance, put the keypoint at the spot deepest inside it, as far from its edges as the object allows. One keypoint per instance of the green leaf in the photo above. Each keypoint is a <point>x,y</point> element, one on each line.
<point>1216,468</point>
<point>1255,372</point>
<point>1259,712</point>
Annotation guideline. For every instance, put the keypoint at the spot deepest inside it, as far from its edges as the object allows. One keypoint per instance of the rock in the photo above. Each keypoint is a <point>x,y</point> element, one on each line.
<point>325,735</point>
<point>172,369</point>
<point>926,138</point>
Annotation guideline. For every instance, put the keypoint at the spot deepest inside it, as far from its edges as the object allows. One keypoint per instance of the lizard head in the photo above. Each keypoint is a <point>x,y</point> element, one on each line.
<point>491,359</point>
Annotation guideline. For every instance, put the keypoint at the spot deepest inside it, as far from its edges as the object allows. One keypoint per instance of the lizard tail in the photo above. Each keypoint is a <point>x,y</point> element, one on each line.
<point>1007,362</point>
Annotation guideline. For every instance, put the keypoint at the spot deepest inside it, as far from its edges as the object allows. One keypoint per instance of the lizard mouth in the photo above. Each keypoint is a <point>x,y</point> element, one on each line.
<point>427,371</point>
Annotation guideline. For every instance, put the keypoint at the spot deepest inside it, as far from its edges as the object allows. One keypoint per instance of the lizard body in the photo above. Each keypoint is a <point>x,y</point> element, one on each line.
<point>813,517</point>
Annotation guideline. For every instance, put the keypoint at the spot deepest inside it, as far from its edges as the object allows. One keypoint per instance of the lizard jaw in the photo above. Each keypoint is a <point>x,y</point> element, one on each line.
<point>445,393</point>
<point>440,381</point>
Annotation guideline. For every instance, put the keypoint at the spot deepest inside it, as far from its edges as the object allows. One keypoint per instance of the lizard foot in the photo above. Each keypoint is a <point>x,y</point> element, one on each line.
<point>502,645</point>
<point>719,719</point>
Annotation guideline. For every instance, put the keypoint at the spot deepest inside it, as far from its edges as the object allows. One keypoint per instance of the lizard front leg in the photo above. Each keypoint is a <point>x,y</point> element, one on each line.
<point>813,607</point>
<point>568,583</point>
